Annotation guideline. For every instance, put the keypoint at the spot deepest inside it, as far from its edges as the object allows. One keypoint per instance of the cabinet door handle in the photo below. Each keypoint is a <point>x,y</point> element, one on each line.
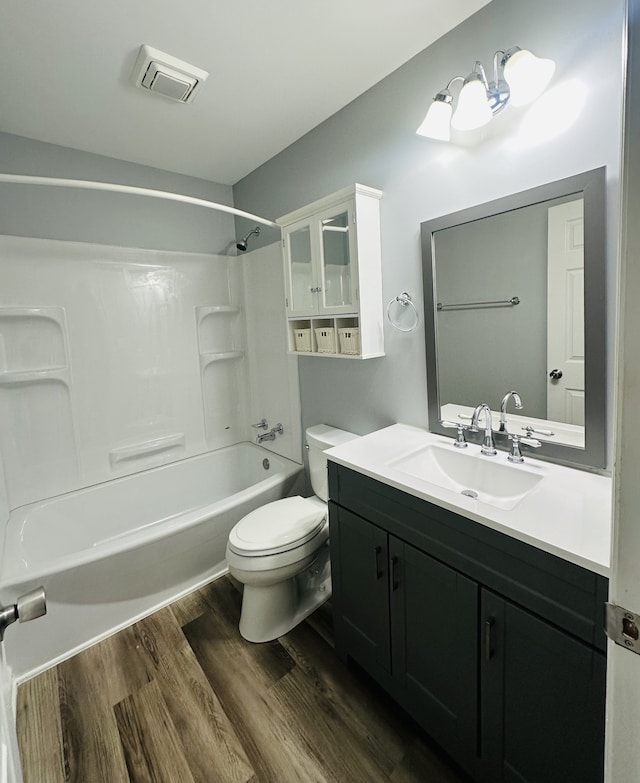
<point>488,647</point>
<point>395,582</point>
<point>379,569</point>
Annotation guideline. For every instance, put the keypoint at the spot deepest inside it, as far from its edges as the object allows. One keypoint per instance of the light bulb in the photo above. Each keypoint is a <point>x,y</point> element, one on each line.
<point>526,75</point>
<point>473,109</point>
<point>436,124</point>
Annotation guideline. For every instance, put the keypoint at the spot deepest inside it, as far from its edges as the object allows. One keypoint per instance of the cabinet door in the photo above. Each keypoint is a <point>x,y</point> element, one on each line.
<point>300,274</point>
<point>543,696</point>
<point>360,556</point>
<point>337,263</point>
<point>434,615</point>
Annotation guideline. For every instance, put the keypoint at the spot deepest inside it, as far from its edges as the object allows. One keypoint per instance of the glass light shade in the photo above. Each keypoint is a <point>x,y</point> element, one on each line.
<point>473,109</point>
<point>527,76</point>
<point>436,125</point>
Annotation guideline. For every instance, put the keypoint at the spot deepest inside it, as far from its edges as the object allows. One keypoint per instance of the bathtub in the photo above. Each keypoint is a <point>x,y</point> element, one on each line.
<point>110,554</point>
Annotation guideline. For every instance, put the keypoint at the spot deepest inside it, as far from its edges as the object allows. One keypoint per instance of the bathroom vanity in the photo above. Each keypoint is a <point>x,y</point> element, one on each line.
<point>482,616</point>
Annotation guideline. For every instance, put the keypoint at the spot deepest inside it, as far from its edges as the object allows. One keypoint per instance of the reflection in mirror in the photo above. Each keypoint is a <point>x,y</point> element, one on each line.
<point>505,278</point>
<point>506,285</point>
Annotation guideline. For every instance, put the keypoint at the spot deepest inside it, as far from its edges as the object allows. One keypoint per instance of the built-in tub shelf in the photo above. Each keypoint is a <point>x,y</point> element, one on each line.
<point>220,345</point>
<point>147,448</point>
<point>37,434</point>
<point>207,358</point>
<point>32,338</point>
<point>219,330</point>
<point>9,378</point>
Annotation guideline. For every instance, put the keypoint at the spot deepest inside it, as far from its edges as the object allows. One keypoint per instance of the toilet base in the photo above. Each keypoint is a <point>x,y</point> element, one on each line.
<point>270,611</point>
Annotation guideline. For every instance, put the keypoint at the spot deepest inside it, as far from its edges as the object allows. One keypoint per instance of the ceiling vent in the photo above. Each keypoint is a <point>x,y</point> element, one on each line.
<point>165,75</point>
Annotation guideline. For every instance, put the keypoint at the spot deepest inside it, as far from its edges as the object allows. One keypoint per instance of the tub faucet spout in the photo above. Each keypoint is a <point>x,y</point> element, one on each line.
<point>271,435</point>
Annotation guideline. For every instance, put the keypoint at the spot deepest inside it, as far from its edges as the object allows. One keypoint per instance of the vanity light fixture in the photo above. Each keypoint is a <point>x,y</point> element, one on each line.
<point>519,77</point>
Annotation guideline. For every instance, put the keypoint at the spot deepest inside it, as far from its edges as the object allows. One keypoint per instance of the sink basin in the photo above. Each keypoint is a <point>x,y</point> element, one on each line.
<point>499,484</point>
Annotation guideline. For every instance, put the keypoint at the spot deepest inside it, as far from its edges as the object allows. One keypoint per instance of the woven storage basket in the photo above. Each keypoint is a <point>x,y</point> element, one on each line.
<point>326,339</point>
<point>302,338</point>
<point>349,340</point>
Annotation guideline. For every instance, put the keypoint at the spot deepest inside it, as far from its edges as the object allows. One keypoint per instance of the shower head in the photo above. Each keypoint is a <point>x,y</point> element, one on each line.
<point>242,244</point>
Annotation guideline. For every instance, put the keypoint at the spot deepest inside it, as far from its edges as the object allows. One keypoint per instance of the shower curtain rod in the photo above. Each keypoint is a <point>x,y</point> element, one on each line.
<point>24,179</point>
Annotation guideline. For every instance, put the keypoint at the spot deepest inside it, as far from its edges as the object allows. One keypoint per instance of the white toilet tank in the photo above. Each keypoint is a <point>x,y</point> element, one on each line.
<point>320,438</point>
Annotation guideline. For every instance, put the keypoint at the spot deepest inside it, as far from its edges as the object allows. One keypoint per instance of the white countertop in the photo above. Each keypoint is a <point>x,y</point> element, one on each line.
<point>567,514</point>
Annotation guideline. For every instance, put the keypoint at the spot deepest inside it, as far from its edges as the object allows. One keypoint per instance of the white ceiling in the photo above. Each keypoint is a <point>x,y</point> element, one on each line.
<point>277,69</point>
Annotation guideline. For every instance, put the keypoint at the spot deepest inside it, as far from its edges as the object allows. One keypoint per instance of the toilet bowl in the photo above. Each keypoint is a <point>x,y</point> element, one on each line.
<point>280,551</point>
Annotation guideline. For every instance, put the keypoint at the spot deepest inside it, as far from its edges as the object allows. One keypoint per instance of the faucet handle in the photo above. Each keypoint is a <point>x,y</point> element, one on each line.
<point>515,455</point>
<point>261,425</point>
<point>460,441</point>
<point>529,441</point>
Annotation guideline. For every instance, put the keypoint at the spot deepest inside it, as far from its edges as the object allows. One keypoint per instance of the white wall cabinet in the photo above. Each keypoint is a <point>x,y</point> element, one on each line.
<point>332,270</point>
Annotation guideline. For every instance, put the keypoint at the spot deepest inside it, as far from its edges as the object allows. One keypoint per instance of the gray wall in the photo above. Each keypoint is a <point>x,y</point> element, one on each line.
<point>108,218</point>
<point>373,141</point>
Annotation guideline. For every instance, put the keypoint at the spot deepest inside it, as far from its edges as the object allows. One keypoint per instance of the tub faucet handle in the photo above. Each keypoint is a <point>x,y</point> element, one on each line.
<point>263,424</point>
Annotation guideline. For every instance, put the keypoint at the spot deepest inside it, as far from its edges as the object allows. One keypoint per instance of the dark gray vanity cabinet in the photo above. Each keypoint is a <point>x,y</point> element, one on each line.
<point>364,593</point>
<point>543,695</point>
<point>381,593</point>
<point>493,646</point>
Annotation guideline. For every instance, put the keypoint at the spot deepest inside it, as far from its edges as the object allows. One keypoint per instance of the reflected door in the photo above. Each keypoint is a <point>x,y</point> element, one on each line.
<point>565,313</point>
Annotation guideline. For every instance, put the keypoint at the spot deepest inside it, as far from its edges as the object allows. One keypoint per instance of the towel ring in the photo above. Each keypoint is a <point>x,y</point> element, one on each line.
<point>404,300</point>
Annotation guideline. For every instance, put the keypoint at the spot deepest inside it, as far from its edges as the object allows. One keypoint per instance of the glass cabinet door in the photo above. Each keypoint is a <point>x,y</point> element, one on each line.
<point>337,284</point>
<point>302,286</point>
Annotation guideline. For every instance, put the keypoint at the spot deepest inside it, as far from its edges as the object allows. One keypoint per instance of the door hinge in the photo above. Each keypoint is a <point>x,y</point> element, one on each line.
<point>622,627</point>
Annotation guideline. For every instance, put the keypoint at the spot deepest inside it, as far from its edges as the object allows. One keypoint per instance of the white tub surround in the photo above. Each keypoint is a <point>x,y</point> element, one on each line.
<point>560,510</point>
<point>143,361</point>
<point>110,554</point>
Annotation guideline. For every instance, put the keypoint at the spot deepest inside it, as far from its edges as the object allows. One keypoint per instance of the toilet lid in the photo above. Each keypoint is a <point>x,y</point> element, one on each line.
<point>278,526</point>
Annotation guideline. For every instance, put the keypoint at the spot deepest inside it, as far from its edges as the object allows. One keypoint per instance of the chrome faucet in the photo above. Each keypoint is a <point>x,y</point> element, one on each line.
<point>271,435</point>
<point>488,448</point>
<point>503,408</point>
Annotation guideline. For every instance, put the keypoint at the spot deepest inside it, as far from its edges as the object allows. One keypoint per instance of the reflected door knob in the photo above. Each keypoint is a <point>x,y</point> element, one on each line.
<point>555,375</point>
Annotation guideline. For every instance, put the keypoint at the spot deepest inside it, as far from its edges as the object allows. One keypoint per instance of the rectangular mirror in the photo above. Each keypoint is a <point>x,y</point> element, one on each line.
<point>514,300</point>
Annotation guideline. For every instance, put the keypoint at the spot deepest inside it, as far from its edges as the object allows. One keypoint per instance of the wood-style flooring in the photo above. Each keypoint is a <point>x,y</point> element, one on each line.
<point>180,697</point>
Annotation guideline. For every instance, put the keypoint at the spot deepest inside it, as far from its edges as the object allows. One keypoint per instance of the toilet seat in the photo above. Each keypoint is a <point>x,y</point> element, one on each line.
<point>278,527</point>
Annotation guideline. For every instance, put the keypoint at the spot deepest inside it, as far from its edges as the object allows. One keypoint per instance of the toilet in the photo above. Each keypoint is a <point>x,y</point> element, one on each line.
<point>280,551</point>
